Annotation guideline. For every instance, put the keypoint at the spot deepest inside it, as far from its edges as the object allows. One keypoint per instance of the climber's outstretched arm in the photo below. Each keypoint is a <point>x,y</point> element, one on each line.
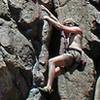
<point>50,14</point>
<point>62,27</point>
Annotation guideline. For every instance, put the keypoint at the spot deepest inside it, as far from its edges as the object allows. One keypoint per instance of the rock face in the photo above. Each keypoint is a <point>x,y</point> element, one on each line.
<point>26,43</point>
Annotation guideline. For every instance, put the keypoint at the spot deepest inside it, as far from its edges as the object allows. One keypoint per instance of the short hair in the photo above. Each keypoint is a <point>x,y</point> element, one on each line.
<point>70,22</point>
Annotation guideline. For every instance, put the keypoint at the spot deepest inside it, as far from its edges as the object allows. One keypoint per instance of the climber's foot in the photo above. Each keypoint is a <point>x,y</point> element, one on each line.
<point>46,90</point>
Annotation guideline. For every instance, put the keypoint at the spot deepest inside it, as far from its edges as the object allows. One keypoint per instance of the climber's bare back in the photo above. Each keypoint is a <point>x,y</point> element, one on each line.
<point>76,41</point>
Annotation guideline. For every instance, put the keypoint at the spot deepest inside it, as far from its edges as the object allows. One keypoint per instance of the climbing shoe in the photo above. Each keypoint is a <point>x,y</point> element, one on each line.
<point>46,90</point>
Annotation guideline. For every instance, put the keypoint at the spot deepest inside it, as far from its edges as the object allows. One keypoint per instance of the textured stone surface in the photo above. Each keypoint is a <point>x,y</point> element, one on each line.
<point>16,58</point>
<point>26,42</point>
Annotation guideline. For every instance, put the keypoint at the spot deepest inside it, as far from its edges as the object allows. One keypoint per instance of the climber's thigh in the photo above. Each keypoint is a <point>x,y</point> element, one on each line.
<point>62,60</point>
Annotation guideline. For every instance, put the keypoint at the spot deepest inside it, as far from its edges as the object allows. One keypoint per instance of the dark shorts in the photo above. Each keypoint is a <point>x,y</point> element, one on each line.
<point>76,54</point>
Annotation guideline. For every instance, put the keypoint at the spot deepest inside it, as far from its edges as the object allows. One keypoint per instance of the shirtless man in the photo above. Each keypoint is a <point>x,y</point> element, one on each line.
<point>73,51</point>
